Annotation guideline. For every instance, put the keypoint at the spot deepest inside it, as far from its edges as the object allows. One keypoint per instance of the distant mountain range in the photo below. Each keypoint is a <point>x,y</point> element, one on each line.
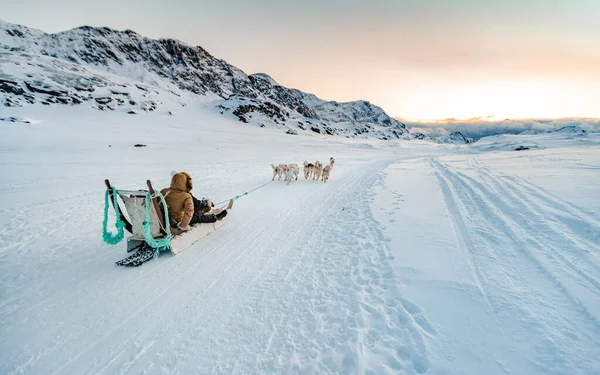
<point>113,70</point>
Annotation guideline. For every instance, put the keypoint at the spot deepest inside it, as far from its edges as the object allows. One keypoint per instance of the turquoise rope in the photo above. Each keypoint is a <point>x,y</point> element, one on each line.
<point>162,244</point>
<point>108,237</point>
<point>243,194</point>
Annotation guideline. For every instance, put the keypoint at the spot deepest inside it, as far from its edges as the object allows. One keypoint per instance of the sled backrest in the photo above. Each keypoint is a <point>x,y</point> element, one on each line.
<point>135,204</point>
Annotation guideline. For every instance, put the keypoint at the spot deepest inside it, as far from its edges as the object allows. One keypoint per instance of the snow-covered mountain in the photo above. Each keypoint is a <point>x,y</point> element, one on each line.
<point>456,138</point>
<point>570,130</point>
<point>124,71</point>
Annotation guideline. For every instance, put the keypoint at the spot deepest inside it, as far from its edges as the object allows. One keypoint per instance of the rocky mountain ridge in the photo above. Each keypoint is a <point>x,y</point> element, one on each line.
<point>124,71</point>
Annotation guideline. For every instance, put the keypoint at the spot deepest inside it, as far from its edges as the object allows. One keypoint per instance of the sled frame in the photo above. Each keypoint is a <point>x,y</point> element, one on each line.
<point>180,240</point>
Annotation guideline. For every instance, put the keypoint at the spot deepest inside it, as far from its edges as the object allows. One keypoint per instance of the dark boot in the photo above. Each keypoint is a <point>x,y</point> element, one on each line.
<point>221,215</point>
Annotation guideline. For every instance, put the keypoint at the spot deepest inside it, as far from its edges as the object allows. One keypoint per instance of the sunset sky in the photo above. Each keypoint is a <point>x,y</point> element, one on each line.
<point>419,60</point>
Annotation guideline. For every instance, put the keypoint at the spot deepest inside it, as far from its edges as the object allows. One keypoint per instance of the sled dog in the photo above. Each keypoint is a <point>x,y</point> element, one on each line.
<point>291,172</point>
<point>327,170</point>
<point>278,171</point>
<point>309,169</point>
<point>318,172</point>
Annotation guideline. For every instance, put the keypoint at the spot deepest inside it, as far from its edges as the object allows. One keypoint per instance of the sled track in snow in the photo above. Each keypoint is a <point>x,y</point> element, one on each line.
<point>512,242</point>
<point>301,285</point>
<point>553,226</point>
<point>58,225</point>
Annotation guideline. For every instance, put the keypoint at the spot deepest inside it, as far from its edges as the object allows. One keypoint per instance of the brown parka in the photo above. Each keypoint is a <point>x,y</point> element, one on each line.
<point>179,200</point>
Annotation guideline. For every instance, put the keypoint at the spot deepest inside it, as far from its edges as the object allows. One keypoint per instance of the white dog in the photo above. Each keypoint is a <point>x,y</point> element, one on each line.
<point>318,171</point>
<point>327,170</point>
<point>318,166</point>
<point>291,172</point>
<point>278,170</point>
<point>309,169</point>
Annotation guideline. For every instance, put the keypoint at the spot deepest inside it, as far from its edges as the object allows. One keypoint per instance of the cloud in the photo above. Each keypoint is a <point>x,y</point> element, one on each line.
<point>433,131</point>
<point>483,127</point>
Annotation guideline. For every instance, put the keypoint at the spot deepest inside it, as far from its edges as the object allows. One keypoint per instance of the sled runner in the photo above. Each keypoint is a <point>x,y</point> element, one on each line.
<point>150,227</point>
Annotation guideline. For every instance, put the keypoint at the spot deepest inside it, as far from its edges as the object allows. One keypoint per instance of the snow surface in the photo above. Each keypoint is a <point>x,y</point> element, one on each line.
<point>414,258</point>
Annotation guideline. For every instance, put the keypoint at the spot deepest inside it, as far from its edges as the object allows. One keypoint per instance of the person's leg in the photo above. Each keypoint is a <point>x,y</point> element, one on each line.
<point>208,218</point>
<point>203,218</point>
<point>201,205</point>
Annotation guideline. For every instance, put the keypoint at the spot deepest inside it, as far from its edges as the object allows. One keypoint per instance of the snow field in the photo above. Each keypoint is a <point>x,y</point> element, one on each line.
<point>414,258</point>
<point>503,264</point>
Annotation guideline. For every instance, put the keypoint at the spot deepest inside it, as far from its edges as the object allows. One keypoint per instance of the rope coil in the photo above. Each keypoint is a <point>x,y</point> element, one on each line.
<point>109,238</point>
<point>164,243</point>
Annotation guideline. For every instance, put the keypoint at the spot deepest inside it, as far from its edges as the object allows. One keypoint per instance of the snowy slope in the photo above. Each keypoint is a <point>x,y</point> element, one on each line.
<point>415,258</point>
<point>563,137</point>
<point>64,68</point>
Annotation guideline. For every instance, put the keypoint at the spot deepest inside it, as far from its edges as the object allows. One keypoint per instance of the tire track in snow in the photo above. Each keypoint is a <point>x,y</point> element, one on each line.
<point>561,324</point>
<point>566,214</point>
<point>462,234</point>
<point>507,224</point>
<point>545,227</point>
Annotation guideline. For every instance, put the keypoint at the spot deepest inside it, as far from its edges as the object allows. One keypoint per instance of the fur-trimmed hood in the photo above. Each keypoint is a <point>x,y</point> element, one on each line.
<point>182,181</point>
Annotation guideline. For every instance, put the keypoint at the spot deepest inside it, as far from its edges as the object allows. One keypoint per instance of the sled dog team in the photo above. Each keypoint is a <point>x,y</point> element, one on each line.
<point>315,170</point>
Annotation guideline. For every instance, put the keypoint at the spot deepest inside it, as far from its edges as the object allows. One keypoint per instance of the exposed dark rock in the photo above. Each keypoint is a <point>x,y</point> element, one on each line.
<point>139,145</point>
<point>84,88</point>
<point>15,119</point>
<point>115,92</point>
<point>148,105</point>
<point>269,109</point>
<point>10,102</point>
<point>11,88</point>
<point>3,80</point>
<point>29,98</point>
<point>63,100</point>
<point>103,100</point>
<point>521,148</point>
<point>44,89</point>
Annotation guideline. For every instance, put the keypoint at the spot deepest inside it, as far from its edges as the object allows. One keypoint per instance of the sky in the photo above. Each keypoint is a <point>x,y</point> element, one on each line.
<point>420,60</point>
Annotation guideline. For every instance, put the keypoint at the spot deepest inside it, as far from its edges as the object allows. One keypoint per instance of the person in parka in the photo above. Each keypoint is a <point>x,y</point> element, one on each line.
<point>184,208</point>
